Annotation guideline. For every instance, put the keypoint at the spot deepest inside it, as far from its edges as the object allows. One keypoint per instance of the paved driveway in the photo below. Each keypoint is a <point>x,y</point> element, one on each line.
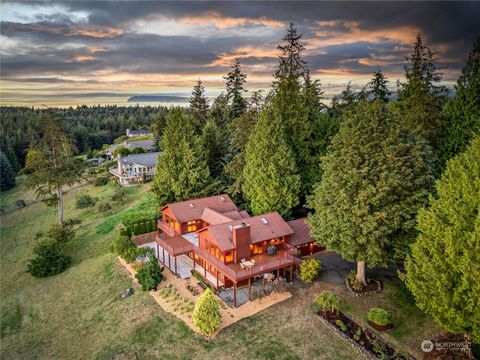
<point>335,269</point>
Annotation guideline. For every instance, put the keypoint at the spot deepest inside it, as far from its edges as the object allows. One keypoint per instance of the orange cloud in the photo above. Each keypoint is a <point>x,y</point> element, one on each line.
<point>224,22</point>
<point>351,32</point>
<point>243,52</point>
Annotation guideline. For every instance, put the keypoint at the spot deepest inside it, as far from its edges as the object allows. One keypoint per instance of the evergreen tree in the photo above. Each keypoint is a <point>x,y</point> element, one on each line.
<point>181,172</point>
<point>271,179</point>
<point>50,161</point>
<point>206,315</point>
<point>444,266</point>
<point>420,99</point>
<point>213,149</point>
<point>6,172</point>
<point>241,128</point>
<point>198,105</point>
<point>341,103</point>
<point>289,103</point>
<point>376,176</point>
<point>378,87</point>
<point>157,130</point>
<point>235,88</point>
<point>219,111</point>
<point>463,111</point>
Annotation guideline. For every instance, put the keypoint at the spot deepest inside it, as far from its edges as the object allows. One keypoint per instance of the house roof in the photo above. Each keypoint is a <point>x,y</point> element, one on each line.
<point>146,159</point>
<point>193,209</point>
<point>262,227</point>
<point>301,233</point>
<point>213,218</point>
<point>140,132</point>
<point>145,144</point>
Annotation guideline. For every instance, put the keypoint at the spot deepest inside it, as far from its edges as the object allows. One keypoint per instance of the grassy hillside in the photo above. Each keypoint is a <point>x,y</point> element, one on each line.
<point>79,314</point>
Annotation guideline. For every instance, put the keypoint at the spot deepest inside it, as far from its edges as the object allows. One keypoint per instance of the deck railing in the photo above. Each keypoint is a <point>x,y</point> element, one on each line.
<point>254,270</point>
<point>167,229</point>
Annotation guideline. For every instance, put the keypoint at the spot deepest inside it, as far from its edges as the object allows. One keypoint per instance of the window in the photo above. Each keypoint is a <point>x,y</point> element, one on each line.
<point>191,226</point>
<point>228,257</point>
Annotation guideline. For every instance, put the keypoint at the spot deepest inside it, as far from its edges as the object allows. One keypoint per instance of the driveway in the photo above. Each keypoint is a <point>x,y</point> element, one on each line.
<point>335,269</point>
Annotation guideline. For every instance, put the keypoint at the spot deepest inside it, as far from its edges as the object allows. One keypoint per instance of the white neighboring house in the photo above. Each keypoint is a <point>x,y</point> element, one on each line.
<point>135,133</point>
<point>134,169</point>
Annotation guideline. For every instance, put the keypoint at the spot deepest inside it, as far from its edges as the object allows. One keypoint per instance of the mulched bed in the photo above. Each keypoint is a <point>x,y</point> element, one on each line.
<point>372,287</point>
<point>368,343</point>
<point>384,328</point>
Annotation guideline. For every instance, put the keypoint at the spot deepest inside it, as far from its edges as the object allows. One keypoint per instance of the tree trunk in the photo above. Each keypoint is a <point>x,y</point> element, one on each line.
<point>361,273</point>
<point>60,205</point>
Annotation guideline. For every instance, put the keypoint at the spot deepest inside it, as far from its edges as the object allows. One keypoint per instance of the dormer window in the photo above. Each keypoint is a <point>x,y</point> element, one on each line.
<point>265,221</point>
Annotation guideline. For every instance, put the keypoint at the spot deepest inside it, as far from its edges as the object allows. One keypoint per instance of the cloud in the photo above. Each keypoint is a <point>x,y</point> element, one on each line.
<point>150,46</point>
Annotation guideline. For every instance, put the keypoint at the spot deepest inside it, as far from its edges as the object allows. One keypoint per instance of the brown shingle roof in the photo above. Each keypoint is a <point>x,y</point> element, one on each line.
<point>212,217</point>
<point>192,209</point>
<point>260,231</point>
<point>301,233</point>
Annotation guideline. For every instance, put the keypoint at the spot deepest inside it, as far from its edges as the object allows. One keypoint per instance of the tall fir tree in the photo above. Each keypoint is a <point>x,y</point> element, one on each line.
<point>50,161</point>
<point>219,111</point>
<point>198,105</point>
<point>7,173</point>
<point>271,178</point>
<point>463,111</point>
<point>378,87</point>
<point>420,100</point>
<point>443,269</point>
<point>213,149</point>
<point>235,88</point>
<point>288,100</point>
<point>241,128</point>
<point>182,173</point>
<point>376,175</point>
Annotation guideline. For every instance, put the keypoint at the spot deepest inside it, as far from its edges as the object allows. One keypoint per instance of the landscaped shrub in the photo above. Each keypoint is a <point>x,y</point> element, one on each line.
<point>51,201</point>
<point>358,334</point>
<point>206,315</point>
<point>85,201</point>
<point>150,275</point>
<point>49,259</point>
<point>309,269</point>
<point>142,227</point>
<point>379,316</point>
<point>341,325</point>
<point>328,301</point>
<point>153,225</point>
<point>101,180</point>
<point>135,229</point>
<point>49,256</point>
<point>104,207</point>
<point>125,247</point>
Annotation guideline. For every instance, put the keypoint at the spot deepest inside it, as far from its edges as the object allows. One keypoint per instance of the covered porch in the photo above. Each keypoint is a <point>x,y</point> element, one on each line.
<point>172,252</point>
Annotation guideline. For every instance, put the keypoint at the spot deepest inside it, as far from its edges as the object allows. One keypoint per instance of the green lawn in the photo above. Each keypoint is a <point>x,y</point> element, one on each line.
<point>79,315</point>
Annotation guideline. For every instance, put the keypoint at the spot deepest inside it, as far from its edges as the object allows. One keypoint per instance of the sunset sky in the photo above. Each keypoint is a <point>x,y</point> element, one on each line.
<point>81,52</point>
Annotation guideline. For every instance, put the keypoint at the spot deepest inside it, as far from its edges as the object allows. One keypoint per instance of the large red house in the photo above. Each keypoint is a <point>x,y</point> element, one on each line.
<point>225,245</point>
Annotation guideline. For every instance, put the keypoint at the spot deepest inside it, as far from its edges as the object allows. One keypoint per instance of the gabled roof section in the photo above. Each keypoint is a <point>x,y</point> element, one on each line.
<point>212,217</point>
<point>301,233</point>
<point>262,227</point>
<point>193,209</point>
<point>146,159</point>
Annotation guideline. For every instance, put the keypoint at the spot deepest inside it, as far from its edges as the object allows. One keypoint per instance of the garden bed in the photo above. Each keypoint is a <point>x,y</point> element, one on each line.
<point>367,343</point>
<point>372,287</point>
